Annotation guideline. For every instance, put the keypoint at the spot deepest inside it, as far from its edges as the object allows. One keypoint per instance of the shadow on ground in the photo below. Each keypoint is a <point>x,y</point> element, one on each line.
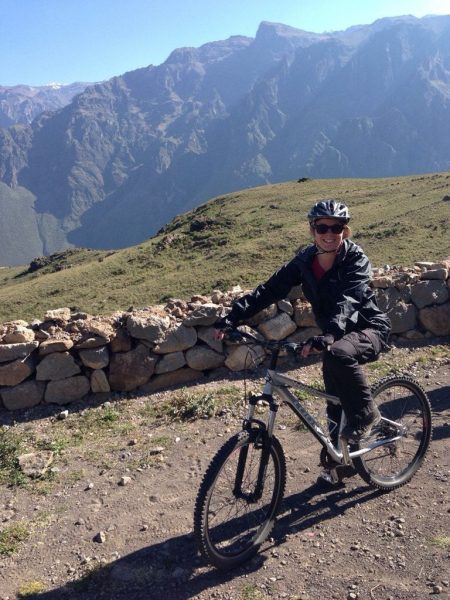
<point>172,570</point>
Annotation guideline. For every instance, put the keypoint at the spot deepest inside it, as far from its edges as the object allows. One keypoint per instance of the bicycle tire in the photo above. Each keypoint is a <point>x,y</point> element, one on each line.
<point>400,399</point>
<point>229,529</point>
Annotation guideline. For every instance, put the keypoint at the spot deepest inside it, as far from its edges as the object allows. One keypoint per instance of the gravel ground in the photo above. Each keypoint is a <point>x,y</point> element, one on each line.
<point>113,518</point>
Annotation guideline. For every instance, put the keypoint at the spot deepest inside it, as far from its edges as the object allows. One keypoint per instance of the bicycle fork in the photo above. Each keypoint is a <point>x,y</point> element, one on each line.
<point>262,442</point>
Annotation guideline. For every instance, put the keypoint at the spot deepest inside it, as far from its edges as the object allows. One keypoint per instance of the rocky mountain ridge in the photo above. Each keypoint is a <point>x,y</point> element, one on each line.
<point>125,156</point>
<point>23,103</point>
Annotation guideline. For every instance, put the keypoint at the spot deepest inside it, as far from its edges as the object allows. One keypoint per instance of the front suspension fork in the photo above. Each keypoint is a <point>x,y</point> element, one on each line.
<point>262,443</point>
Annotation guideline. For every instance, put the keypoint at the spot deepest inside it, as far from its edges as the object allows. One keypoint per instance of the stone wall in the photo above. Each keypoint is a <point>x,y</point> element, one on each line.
<point>68,356</point>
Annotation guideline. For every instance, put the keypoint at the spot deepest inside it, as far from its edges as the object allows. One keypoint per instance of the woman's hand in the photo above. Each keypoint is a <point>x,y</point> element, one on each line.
<point>221,325</point>
<point>317,342</point>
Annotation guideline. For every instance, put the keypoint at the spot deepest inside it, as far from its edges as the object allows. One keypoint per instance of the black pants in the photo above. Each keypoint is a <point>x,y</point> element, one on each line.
<point>344,376</point>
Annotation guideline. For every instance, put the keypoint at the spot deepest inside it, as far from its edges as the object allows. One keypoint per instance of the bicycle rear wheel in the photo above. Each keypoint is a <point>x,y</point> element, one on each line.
<point>239,498</point>
<point>399,399</point>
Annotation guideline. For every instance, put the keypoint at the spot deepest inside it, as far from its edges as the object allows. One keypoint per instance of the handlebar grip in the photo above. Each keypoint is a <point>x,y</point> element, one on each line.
<point>233,335</point>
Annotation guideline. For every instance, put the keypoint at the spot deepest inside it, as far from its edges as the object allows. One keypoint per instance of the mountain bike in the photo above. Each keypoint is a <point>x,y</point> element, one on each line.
<point>243,487</point>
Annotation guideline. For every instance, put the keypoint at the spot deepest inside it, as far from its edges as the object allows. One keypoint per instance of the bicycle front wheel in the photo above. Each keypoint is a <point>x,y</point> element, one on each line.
<point>239,498</point>
<point>400,400</point>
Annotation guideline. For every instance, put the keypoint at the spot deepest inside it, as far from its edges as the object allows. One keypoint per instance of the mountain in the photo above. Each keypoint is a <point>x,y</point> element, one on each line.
<point>112,167</point>
<point>22,103</point>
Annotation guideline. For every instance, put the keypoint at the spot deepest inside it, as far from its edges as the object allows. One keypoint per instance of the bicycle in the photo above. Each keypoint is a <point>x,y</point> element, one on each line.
<point>243,487</point>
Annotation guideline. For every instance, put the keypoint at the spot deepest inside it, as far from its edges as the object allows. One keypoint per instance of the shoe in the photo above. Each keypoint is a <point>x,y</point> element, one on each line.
<point>354,433</point>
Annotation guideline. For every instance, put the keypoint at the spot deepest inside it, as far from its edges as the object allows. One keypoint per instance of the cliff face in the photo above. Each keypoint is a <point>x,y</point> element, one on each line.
<point>123,157</point>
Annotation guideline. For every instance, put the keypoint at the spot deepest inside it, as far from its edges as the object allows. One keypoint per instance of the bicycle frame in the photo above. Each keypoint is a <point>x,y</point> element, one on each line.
<point>275,382</point>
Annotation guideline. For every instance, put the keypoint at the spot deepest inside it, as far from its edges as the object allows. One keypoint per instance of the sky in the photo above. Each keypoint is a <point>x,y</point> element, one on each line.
<point>63,41</point>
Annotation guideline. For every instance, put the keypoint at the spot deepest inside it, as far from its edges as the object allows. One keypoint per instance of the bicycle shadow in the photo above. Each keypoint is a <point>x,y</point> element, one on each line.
<point>303,513</point>
<point>440,403</point>
<point>172,570</point>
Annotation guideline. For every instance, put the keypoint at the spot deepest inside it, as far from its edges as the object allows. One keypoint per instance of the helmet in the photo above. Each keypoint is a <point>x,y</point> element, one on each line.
<point>329,208</point>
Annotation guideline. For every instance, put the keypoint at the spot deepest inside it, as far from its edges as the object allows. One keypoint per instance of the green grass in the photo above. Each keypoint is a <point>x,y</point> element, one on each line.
<point>11,536</point>
<point>187,405</point>
<point>10,447</point>
<point>29,589</point>
<point>250,233</point>
<point>251,592</point>
<point>442,541</point>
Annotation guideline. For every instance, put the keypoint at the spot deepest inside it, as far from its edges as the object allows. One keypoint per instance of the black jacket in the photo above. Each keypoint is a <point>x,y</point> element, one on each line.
<point>342,300</point>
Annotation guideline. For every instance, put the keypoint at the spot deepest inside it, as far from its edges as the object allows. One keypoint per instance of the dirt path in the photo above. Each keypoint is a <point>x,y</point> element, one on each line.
<point>84,535</point>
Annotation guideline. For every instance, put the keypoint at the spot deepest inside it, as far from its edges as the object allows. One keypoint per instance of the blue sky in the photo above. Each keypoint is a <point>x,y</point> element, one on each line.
<point>44,41</point>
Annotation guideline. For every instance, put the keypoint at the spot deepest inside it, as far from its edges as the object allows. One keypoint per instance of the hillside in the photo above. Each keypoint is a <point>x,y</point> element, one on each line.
<point>235,239</point>
<point>127,155</point>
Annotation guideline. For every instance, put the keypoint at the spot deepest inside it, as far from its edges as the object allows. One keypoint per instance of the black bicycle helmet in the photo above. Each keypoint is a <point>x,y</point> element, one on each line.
<point>329,208</point>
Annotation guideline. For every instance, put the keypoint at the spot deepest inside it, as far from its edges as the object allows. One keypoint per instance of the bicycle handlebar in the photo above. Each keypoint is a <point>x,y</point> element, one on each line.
<point>235,335</point>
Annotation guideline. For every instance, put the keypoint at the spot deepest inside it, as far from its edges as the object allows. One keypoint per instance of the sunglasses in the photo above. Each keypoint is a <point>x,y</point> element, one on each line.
<point>336,228</point>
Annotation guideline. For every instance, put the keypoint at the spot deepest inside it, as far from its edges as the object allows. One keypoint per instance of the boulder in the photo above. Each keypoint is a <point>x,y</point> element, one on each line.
<point>277,328</point>
<point>10,352</point>
<point>91,332</point>
<point>208,335</point>
<point>176,339</point>
<point>427,293</point>
<point>387,299</point>
<point>440,274</point>
<point>403,317</point>
<point>383,282</point>
<point>203,358</point>
<point>296,293</point>
<point>147,326</point>
<point>15,372</point>
<point>95,358</point>
<point>56,366</point>
<point>58,314</point>
<point>55,345</point>
<point>121,341</point>
<point>244,357</point>
<point>35,464</point>
<point>25,395</point>
<point>285,306</point>
<point>424,265</point>
<point>436,319</point>
<point>94,341</point>
<point>129,370</point>
<point>170,362</point>
<point>413,334</point>
<point>205,314</point>
<point>99,382</point>
<point>303,315</point>
<point>268,313</point>
<point>167,380</point>
<point>442,264</point>
<point>68,390</point>
<point>18,332</point>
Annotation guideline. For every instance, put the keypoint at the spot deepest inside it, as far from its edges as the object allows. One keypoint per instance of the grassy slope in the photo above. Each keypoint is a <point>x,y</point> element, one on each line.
<point>250,233</point>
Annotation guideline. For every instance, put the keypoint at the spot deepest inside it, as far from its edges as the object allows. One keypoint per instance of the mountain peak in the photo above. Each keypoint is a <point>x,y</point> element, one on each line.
<point>288,37</point>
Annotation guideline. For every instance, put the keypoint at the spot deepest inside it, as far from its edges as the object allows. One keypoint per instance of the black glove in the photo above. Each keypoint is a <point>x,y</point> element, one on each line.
<point>321,342</point>
<point>223,323</point>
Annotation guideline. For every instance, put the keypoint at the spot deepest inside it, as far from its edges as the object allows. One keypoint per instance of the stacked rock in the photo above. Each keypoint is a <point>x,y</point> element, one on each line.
<point>68,356</point>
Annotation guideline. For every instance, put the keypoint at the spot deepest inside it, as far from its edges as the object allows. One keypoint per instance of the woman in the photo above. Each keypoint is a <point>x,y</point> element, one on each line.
<point>334,273</point>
